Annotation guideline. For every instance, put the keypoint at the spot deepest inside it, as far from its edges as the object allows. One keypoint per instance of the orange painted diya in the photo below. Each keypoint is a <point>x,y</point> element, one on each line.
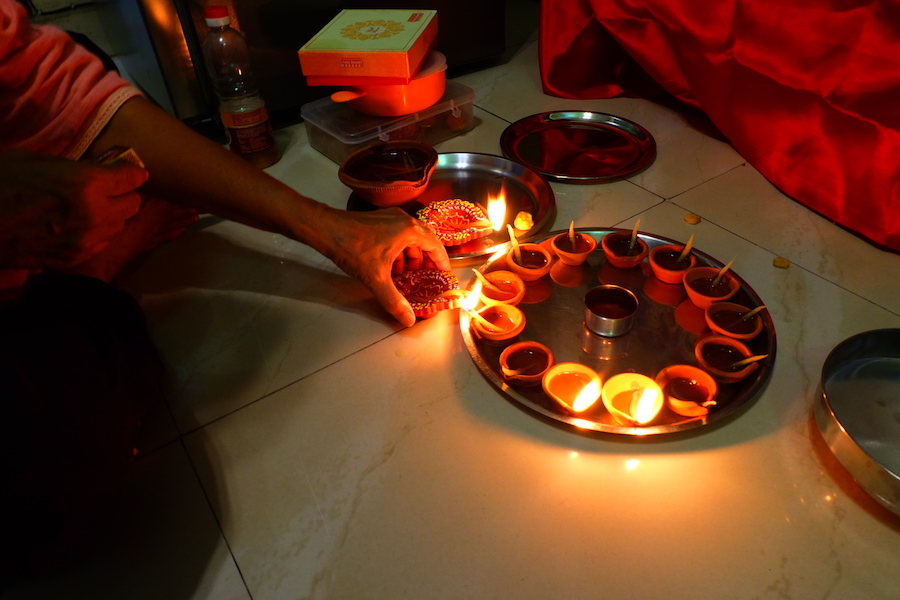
<point>456,222</point>
<point>429,291</point>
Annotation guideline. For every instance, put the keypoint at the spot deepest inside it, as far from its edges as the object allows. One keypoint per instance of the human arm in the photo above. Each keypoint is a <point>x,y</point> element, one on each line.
<point>191,170</point>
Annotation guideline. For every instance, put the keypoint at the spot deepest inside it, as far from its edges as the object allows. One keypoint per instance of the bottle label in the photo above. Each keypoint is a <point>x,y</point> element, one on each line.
<point>249,132</point>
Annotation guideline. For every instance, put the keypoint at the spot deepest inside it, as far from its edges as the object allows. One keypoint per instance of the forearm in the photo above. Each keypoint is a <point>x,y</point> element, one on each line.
<point>191,170</point>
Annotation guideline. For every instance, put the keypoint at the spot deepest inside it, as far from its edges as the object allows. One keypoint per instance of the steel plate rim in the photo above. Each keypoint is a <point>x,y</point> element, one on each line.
<point>591,117</point>
<point>756,387</point>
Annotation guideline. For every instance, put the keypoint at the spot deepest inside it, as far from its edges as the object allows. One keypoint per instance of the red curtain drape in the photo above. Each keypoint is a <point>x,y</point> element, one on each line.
<point>808,91</point>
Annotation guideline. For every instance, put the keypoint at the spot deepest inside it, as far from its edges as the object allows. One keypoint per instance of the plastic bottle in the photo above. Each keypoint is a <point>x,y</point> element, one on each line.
<point>242,109</point>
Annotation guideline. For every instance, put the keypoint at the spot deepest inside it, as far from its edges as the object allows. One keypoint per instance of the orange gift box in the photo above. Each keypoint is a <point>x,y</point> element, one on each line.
<point>369,46</point>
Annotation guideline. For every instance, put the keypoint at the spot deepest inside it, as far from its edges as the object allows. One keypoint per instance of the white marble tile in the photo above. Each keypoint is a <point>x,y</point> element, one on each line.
<point>743,202</point>
<point>427,482</point>
<point>155,538</point>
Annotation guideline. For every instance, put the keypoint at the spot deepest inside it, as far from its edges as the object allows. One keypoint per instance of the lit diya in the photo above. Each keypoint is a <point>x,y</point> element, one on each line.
<point>529,261</point>
<point>496,322</point>
<point>632,398</point>
<point>456,222</point>
<point>500,287</point>
<point>429,291</point>
<point>574,386</point>
<point>689,391</point>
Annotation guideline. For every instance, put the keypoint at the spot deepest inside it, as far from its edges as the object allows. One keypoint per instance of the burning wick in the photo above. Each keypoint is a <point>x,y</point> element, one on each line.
<point>687,249</point>
<point>718,278</point>
<point>515,244</point>
<point>746,315</point>
<point>572,233</point>
<point>496,211</point>
<point>748,360</point>
<point>633,236</point>
<point>469,301</point>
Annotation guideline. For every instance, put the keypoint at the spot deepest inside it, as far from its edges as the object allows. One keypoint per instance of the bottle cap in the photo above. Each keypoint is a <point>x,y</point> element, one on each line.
<point>216,16</point>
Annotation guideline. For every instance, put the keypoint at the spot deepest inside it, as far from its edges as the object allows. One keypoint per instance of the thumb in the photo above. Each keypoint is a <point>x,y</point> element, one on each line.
<point>394,302</point>
<point>124,178</point>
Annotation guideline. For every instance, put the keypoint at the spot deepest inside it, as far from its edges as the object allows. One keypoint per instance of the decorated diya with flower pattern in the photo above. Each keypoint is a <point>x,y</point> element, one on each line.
<point>456,221</point>
<point>429,291</point>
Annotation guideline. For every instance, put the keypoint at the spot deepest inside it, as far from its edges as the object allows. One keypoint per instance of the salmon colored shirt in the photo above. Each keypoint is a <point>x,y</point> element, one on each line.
<point>55,96</point>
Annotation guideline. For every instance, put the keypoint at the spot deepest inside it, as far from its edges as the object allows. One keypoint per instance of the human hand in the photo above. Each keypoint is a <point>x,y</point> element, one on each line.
<point>375,245</point>
<point>56,213</point>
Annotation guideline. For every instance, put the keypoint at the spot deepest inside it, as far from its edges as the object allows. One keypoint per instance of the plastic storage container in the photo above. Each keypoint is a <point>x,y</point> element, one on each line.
<point>337,130</point>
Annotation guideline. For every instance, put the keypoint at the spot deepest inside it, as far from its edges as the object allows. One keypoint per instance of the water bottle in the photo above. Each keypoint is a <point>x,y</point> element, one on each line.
<point>242,109</point>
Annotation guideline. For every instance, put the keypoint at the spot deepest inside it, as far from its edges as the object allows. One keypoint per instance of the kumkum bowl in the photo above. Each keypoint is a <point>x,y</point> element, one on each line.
<point>389,173</point>
<point>498,322</point>
<point>858,408</point>
<point>429,291</point>
<point>615,248</point>
<point>698,284</point>
<point>689,391</point>
<point>725,318</point>
<point>456,222</point>
<point>665,265</point>
<point>511,288</point>
<point>715,354</point>
<point>524,363</point>
<point>536,261</point>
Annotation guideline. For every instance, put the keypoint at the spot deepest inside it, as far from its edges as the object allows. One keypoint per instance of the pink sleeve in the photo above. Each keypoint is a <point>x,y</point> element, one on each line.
<point>55,96</point>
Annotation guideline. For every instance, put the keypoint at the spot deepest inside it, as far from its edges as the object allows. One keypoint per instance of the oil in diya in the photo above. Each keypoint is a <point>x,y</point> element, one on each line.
<point>572,247</point>
<point>689,391</point>
<point>624,250</point>
<point>525,363</point>
<point>574,386</point>
<point>723,358</point>
<point>528,261</point>
<point>707,285</point>
<point>497,322</point>
<point>734,320</point>
<point>670,262</point>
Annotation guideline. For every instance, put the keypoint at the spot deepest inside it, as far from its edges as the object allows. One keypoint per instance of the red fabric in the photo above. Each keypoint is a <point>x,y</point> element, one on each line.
<point>808,91</point>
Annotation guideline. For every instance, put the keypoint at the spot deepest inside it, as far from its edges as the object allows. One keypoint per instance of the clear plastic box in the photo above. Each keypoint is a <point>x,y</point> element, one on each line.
<point>337,130</point>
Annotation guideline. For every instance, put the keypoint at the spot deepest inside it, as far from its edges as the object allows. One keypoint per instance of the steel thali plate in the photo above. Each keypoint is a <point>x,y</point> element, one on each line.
<point>579,146</point>
<point>475,178</point>
<point>666,328</point>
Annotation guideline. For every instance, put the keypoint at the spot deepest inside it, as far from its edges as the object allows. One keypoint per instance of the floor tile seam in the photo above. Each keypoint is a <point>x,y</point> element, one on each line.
<point>793,263</point>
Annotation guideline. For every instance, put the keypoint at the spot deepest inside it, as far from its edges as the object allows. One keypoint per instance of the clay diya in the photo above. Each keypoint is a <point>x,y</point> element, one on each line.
<point>429,291</point>
<point>498,322</point>
<point>632,398</point>
<point>667,264</point>
<point>529,261</point>
<point>574,386</point>
<point>525,363</point>
<point>734,320</point>
<point>707,285</point>
<point>621,253</point>
<point>572,247</point>
<point>689,391</point>
<point>722,357</point>
<point>456,222</point>
<point>501,287</point>
<point>389,173</point>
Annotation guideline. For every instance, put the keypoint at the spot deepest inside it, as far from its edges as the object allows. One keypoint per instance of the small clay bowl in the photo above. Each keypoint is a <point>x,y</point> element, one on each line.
<point>573,254</point>
<point>689,391</point>
<point>506,322</point>
<point>615,248</point>
<point>389,173</point>
<point>664,263</point>
<point>724,318</point>
<point>619,398</point>
<point>565,383</point>
<point>697,282</point>
<point>524,363</point>
<point>512,288</point>
<point>537,259</point>
<point>715,353</point>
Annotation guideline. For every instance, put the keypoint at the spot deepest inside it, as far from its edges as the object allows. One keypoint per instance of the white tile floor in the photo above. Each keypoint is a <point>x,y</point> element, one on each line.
<point>311,449</point>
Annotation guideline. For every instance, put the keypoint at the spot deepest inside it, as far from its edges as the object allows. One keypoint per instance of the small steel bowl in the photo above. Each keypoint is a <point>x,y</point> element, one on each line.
<point>859,411</point>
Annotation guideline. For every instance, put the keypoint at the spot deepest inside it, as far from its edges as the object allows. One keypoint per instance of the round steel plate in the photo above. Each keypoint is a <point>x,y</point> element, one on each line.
<point>579,146</point>
<point>554,312</point>
<point>475,178</point>
<point>859,411</point>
